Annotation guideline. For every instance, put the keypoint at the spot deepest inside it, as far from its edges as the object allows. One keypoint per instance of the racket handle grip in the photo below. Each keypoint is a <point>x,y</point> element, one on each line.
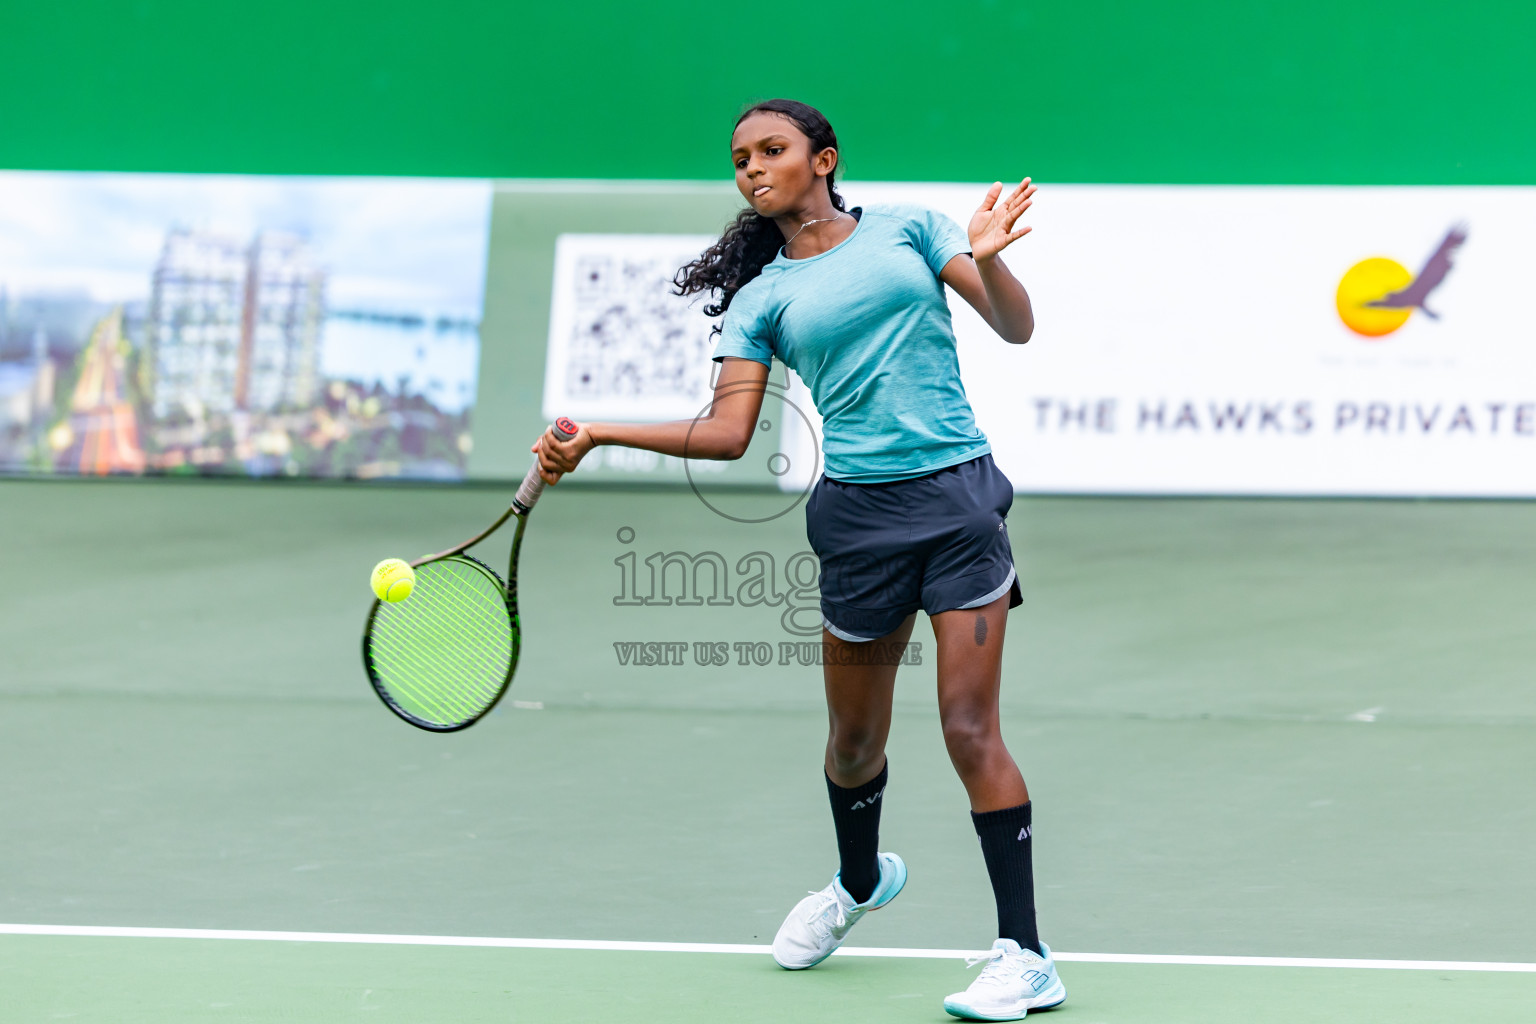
<point>533,484</point>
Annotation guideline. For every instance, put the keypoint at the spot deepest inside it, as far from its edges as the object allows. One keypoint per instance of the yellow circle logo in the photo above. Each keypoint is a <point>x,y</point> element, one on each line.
<point>1366,282</point>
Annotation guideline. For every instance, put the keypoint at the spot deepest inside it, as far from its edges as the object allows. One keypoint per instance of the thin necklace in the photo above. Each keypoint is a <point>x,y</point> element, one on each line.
<point>821,220</point>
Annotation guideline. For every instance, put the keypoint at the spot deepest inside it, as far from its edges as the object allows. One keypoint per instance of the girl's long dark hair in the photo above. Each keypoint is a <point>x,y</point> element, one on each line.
<point>751,241</point>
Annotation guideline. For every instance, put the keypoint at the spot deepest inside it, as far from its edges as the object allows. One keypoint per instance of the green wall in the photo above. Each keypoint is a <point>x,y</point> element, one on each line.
<point>1090,91</point>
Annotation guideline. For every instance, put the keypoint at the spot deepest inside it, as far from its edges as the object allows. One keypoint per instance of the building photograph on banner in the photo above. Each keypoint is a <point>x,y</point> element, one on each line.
<point>239,325</point>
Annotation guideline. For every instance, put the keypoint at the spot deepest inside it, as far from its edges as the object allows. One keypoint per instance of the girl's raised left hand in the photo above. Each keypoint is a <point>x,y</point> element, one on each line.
<point>992,225</point>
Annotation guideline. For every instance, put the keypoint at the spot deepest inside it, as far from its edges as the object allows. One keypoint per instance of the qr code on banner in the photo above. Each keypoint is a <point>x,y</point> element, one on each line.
<point>622,343</point>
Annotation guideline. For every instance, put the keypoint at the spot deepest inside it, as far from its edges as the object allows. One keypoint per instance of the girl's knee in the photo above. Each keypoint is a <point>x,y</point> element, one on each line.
<point>853,751</point>
<point>972,740</point>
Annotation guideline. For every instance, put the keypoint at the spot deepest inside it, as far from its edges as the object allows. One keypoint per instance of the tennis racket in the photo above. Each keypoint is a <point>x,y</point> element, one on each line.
<point>444,656</point>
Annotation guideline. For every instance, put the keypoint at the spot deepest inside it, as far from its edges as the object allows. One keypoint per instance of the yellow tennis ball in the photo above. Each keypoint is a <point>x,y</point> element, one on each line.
<point>393,580</point>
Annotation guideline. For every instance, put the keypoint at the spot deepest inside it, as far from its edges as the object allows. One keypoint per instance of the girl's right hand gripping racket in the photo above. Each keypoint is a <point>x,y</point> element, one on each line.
<point>444,656</point>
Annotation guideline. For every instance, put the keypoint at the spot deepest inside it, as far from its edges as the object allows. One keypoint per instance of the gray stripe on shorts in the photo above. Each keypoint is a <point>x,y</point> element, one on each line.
<point>846,636</point>
<point>999,592</point>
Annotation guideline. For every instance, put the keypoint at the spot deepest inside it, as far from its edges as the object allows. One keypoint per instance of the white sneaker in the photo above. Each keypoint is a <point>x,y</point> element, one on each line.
<point>821,921</point>
<point>1014,982</point>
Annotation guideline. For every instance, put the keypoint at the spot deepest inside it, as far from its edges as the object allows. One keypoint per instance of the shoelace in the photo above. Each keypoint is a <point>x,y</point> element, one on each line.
<point>988,958</point>
<point>818,915</point>
<point>993,972</point>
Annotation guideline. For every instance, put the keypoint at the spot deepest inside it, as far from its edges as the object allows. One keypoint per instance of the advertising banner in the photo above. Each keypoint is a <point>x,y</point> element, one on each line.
<point>1189,340</point>
<point>217,324</point>
<point>1220,340</point>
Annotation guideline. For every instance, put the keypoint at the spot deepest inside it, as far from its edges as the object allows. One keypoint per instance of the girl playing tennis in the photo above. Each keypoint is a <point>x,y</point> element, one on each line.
<point>908,515</point>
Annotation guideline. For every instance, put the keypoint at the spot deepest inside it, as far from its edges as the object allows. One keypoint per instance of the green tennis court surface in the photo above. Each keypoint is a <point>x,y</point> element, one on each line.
<point>1287,729</point>
<point>155,980</point>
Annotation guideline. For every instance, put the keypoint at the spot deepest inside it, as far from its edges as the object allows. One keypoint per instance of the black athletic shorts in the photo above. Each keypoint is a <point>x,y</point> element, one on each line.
<point>937,543</point>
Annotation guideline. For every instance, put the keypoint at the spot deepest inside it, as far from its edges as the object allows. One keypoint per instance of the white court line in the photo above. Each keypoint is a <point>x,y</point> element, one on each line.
<point>109,931</point>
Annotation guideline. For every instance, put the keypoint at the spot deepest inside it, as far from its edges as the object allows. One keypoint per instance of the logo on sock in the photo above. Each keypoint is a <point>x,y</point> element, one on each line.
<point>1024,833</point>
<point>868,803</point>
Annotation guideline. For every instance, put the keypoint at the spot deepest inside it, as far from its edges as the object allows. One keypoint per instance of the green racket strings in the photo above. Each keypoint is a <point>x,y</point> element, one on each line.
<point>443,653</point>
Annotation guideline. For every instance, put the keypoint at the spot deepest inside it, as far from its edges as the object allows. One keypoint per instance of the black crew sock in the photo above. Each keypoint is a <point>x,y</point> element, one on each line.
<point>856,816</point>
<point>1005,840</point>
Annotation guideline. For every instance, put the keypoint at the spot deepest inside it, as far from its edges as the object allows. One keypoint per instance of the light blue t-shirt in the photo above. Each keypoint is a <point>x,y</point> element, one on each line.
<point>866,326</point>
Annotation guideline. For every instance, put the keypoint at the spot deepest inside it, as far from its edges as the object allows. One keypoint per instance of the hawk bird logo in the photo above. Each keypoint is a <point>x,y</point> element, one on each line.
<point>1429,277</point>
<point>1378,295</point>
